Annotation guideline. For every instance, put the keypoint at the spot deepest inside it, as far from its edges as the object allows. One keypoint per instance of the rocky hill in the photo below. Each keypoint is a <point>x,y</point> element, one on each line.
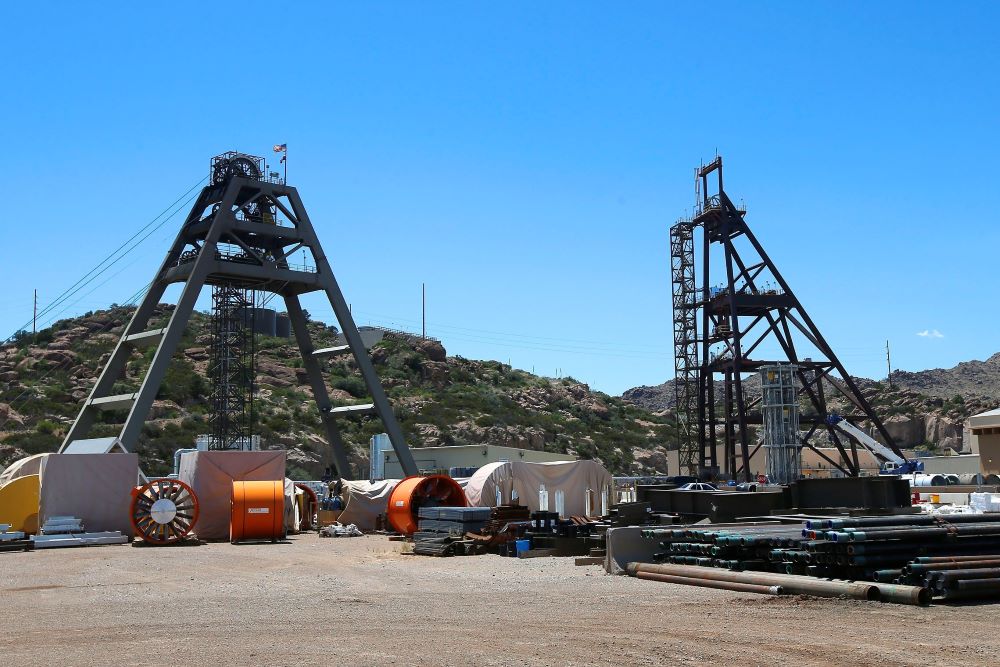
<point>439,399</point>
<point>925,409</point>
<point>968,379</point>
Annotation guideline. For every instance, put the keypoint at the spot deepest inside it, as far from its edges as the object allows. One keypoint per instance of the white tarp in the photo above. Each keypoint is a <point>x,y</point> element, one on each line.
<point>96,488</point>
<point>29,465</point>
<point>211,475</point>
<point>573,478</point>
<point>364,501</point>
<point>291,507</point>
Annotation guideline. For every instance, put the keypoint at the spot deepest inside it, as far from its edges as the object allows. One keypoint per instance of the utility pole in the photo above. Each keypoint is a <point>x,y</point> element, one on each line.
<point>34,316</point>
<point>888,364</point>
<point>423,310</point>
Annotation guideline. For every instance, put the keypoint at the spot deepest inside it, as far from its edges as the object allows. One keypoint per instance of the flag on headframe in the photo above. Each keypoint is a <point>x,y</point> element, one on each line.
<point>282,159</point>
<point>280,148</point>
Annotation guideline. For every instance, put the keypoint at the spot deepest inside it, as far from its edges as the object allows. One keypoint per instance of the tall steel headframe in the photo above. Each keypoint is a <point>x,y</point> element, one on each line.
<point>724,330</point>
<point>241,233</point>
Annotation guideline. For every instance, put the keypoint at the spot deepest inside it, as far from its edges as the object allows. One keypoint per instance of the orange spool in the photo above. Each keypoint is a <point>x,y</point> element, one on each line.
<point>258,511</point>
<point>414,492</point>
<point>163,511</point>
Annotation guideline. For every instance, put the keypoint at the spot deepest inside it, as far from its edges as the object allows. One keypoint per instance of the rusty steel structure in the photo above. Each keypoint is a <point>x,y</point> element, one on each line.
<point>743,307</point>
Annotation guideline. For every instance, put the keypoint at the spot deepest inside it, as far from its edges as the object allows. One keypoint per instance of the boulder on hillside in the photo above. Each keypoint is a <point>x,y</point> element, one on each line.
<point>906,431</point>
<point>651,461</point>
<point>435,372</point>
<point>10,417</point>
<point>432,349</point>
<point>937,430</point>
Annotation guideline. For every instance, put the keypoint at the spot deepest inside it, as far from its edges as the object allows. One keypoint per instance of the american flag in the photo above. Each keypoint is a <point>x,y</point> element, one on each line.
<point>280,148</point>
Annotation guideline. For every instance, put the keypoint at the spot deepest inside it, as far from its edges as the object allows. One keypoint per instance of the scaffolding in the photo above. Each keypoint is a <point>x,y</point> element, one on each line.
<point>780,417</point>
<point>231,367</point>
<point>685,344</point>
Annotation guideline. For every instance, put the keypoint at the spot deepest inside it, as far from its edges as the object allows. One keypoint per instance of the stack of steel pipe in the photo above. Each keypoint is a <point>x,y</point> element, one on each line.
<point>884,550</point>
<point>956,577</point>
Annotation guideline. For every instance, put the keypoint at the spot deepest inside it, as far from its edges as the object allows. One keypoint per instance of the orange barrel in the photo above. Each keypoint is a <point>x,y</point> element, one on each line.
<point>414,492</point>
<point>258,511</point>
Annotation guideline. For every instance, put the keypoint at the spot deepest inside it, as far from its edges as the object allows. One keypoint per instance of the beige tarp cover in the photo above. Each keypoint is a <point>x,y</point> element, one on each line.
<point>211,475</point>
<point>572,477</point>
<point>29,465</point>
<point>97,488</point>
<point>364,501</point>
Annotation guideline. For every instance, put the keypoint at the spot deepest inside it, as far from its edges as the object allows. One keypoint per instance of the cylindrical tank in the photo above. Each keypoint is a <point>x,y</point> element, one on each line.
<point>992,479</point>
<point>415,492</point>
<point>970,478</point>
<point>258,511</point>
<point>265,321</point>
<point>283,326</point>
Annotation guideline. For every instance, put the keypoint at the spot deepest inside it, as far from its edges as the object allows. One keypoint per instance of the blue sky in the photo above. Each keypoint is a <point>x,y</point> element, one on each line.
<point>526,161</point>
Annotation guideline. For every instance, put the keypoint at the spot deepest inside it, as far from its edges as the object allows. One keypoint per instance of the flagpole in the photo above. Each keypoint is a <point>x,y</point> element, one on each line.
<point>285,156</point>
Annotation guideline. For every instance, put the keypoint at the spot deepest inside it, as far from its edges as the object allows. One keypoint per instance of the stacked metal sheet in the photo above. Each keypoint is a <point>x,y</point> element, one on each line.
<point>441,530</point>
<point>13,540</point>
<point>68,531</point>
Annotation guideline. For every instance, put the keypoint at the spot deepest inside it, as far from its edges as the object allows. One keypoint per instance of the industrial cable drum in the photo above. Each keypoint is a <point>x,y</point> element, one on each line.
<point>258,511</point>
<point>163,511</point>
<point>233,164</point>
<point>415,492</point>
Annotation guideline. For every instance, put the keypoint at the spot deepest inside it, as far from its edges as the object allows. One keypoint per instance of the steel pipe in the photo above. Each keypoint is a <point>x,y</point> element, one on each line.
<point>948,576</point>
<point>901,594</point>
<point>711,583</point>
<point>924,568</point>
<point>955,559</point>
<point>791,583</point>
<point>979,585</point>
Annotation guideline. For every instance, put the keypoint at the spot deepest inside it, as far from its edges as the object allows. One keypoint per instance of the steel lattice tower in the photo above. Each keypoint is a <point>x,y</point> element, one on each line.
<point>686,368</point>
<point>231,367</point>
<point>742,306</point>
<point>240,233</point>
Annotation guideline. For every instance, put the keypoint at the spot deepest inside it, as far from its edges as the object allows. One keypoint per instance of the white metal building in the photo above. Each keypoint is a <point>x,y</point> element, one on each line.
<point>441,459</point>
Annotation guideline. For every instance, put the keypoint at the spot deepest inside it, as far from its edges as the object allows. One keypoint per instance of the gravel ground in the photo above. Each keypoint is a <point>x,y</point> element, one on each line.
<point>360,601</point>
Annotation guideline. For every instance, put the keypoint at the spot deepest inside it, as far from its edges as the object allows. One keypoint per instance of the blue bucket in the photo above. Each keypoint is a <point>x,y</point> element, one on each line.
<point>522,545</point>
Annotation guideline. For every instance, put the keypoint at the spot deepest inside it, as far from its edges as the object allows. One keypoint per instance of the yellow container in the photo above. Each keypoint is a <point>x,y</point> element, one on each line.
<point>19,503</point>
<point>935,498</point>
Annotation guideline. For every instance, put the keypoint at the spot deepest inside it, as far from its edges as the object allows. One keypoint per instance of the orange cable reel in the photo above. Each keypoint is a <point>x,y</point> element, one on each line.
<point>258,511</point>
<point>415,492</point>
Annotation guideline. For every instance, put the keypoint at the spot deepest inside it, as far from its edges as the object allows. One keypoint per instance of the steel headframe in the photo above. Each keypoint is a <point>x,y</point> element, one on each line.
<point>717,329</point>
<point>241,232</point>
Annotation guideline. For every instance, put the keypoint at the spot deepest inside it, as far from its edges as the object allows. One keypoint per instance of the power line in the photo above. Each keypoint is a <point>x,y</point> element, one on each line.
<point>118,259</point>
<point>97,270</point>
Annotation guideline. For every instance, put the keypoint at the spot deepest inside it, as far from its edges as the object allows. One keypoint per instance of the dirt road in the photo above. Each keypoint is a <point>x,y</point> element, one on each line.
<point>358,601</point>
